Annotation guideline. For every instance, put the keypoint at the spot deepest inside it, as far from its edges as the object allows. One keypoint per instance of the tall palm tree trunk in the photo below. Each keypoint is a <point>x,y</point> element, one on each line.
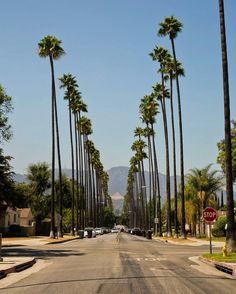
<point>144,193</point>
<point>77,176</point>
<point>183,219</point>
<point>230,233</point>
<point>174,156</point>
<point>60,233</point>
<point>151,183</point>
<point>168,212</point>
<point>81,174</point>
<point>158,200</point>
<point>73,173</point>
<point>52,227</point>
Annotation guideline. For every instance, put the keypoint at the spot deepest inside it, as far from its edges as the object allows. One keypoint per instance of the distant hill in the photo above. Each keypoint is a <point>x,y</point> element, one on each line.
<point>117,184</point>
<point>118,180</point>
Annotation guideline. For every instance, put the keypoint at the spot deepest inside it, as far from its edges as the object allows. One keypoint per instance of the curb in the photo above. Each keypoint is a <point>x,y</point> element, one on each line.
<point>62,241</point>
<point>17,268</point>
<point>12,245</point>
<point>221,266</point>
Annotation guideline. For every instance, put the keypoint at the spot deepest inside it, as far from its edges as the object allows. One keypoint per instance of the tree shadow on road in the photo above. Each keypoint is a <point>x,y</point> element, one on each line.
<point>43,254</point>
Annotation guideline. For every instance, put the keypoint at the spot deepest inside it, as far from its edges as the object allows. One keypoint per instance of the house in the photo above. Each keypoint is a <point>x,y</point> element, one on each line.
<point>25,217</point>
<point>9,217</point>
<point>19,216</point>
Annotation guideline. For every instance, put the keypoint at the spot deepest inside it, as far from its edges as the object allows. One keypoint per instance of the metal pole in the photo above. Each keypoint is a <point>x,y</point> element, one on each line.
<point>210,239</point>
<point>1,259</point>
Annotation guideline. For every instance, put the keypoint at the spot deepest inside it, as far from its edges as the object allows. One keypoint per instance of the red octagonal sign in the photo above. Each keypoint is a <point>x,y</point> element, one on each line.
<point>209,214</point>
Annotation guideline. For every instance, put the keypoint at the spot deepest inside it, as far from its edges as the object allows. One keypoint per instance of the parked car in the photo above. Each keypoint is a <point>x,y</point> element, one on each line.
<point>99,231</point>
<point>136,231</point>
<point>89,229</point>
<point>114,230</point>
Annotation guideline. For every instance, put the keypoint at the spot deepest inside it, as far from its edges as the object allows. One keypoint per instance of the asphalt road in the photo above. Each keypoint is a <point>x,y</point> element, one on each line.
<point>115,264</point>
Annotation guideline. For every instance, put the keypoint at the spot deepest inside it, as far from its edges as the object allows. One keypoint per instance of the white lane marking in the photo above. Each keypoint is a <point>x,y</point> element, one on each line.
<point>145,258</point>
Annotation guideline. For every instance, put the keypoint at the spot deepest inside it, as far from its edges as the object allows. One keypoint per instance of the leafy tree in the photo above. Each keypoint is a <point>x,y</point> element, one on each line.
<point>219,227</point>
<point>8,193</point>
<point>109,217</point>
<point>66,186</point>
<point>5,109</point>
<point>221,148</point>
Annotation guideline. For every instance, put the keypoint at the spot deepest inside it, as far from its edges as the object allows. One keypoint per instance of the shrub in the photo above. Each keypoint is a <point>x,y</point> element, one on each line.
<point>14,229</point>
<point>219,227</point>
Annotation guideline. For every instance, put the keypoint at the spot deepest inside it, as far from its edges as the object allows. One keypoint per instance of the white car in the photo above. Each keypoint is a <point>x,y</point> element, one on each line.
<point>86,232</point>
<point>99,231</point>
<point>114,230</point>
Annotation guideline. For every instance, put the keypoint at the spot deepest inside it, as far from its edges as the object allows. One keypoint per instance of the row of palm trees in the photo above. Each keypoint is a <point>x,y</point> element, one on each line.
<point>170,69</point>
<point>89,180</point>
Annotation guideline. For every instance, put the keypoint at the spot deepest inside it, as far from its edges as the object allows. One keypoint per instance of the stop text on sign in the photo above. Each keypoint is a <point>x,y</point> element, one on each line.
<point>209,214</point>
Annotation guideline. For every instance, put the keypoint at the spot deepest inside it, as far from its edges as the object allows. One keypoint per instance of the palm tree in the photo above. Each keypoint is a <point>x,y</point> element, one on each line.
<point>50,47</point>
<point>204,183</point>
<point>69,82</point>
<point>148,111</point>
<point>85,127</point>
<point>161,93</point>
<point>170,74</point>
<point>139,178</point>
<point>171,27</point>
<point>230,233</point>
<point>39,177</point>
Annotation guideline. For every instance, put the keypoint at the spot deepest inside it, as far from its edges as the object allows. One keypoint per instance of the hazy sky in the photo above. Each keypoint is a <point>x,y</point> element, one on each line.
<point>107,43</point>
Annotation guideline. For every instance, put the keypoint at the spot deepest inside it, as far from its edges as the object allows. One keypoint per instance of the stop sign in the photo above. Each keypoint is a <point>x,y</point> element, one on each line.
<point>209,214</point>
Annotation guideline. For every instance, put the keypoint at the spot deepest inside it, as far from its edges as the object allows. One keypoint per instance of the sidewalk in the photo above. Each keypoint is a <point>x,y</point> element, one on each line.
<point>35,241</point>
<point>226,267</point>
<point>17,264</point>
<point>189,241</point>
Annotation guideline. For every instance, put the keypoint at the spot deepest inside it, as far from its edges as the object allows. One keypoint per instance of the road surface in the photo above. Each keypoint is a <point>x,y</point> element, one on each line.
<point>115,264</point>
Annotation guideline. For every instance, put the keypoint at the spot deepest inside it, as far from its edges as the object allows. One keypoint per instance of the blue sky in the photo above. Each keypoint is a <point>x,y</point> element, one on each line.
<point>107,43</point>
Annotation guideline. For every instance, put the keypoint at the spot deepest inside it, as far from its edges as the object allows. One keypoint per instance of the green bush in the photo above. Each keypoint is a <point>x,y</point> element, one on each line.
<point>219,227</point>
<point>14,229</point>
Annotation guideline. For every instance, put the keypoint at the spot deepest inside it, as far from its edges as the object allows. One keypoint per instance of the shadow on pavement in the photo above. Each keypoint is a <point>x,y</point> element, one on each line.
<point>43,254</point>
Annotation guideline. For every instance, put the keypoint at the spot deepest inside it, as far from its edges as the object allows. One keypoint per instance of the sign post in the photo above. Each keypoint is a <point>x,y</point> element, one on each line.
<point>209,215</point>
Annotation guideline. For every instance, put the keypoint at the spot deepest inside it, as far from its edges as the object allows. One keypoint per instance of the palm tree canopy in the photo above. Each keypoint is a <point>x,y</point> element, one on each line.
<point>85,126</point>
<point>68,81</point>
<point>148,109</point>
<point>205,182</point>
<point>158,91</point>
<point>138,132</point>
<point>160,54</point>
<point>169,68</point>
<point>50,46</point>
<point>138,145</point>
<point>170,26</point>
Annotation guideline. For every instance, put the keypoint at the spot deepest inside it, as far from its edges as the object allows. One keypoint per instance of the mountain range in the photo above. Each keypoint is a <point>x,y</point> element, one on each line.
<point>117,183</point>
<point>117,180</point>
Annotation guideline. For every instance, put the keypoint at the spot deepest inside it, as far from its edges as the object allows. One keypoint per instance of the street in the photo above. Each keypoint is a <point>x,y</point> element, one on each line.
<point>115,264</point>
